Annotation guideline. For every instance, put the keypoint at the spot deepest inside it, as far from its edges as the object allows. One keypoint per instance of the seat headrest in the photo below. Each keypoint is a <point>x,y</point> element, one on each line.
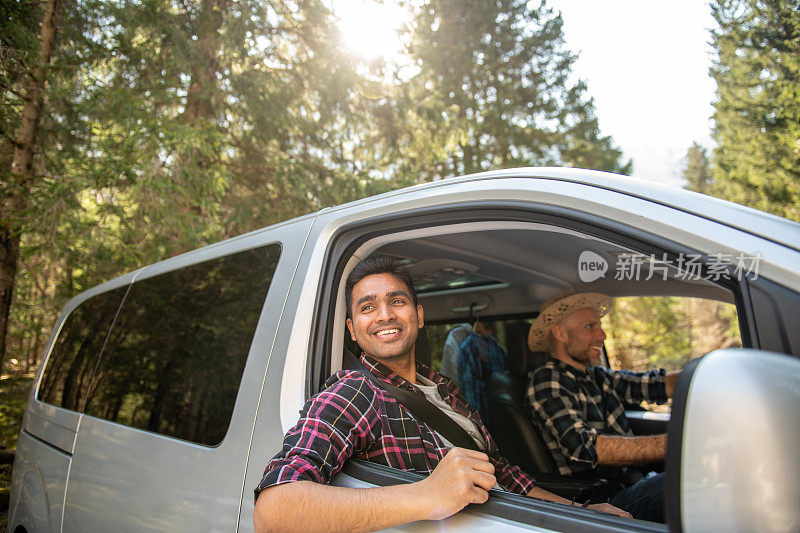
<point>422,349</point>
<point>520,359</point>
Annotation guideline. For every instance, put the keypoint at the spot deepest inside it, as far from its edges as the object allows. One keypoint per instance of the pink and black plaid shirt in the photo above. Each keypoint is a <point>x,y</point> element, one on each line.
<point>352,417</point>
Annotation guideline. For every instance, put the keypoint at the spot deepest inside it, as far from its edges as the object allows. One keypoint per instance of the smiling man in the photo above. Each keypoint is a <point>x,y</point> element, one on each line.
<point>355,417</point>
<point>581,405</point>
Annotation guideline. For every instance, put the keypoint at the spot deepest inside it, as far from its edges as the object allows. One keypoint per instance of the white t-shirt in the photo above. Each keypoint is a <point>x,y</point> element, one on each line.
<point>432,394</point>
<point>429,388</point>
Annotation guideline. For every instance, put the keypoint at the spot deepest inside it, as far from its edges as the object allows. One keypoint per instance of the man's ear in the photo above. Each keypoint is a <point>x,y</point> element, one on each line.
<point>560,333</point>
<point>420,317</point>
<point>350,328</point>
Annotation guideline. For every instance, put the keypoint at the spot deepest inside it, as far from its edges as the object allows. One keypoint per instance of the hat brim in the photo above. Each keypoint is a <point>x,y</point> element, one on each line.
<point>539,333</point>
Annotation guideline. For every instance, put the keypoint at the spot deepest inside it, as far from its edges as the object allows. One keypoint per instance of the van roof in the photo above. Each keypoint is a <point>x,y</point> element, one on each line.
<point>753,221</point>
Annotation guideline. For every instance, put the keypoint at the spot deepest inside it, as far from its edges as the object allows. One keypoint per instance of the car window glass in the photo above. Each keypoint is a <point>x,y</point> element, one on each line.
<point>72,360</point>
<point>175,357</point>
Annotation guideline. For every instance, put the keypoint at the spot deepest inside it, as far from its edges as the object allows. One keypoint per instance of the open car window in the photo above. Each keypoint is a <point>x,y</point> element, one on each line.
<point>667,332</point>
<point>501,273</point>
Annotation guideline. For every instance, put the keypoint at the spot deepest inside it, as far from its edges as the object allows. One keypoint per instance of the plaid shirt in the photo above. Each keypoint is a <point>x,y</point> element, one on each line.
<point>575,406</point>
<point>353,417</point>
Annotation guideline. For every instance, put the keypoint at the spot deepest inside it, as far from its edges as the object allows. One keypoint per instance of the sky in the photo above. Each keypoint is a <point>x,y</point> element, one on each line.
<point>646,63</point>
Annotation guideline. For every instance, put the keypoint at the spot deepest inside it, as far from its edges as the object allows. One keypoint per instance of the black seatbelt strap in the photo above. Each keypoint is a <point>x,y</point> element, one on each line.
<point>418,406</point>
<point>424,410</point>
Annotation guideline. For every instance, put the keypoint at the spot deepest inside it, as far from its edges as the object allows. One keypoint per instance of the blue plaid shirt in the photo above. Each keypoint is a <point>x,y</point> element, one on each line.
<point>480,356</point>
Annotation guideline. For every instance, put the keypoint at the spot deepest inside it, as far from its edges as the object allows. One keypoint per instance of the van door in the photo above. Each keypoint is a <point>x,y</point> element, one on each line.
<point>50,424</point>
<point>282,378</point>
<point>564,219</point>
<point>163,441</point>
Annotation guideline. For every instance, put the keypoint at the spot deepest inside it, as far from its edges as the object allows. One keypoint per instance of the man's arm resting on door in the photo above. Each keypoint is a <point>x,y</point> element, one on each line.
<point>461,477</point>
<point>309,506</point>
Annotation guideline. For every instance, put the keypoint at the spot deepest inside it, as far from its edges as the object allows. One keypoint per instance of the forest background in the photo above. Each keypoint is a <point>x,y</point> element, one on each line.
<point>135,130</point>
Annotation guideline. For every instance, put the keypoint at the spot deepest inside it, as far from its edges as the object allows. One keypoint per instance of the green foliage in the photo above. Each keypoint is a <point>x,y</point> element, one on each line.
<point>14,391</point>
<point>697,171</point>
<point>648,332</point>
<point>757,161</point>
<point>492,91</point>
<point>168,125</point>
<point>667,332</point>
<point>18,45</point>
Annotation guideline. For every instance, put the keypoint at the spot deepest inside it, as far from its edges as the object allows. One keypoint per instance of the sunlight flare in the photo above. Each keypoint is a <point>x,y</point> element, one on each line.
<point>372,29</point>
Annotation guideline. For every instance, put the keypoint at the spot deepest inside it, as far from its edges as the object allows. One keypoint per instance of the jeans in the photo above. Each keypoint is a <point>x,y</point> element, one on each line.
<point>644,500</point>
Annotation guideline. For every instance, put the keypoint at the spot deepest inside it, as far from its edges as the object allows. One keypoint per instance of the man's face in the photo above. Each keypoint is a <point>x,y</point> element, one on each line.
<point>384,322</point>
<point>585,336</point>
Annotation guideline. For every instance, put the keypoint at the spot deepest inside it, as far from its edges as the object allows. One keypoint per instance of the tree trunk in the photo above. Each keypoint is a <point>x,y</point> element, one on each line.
<point>25,343</point>
<point>202,83</point>
<point>37,341</point>
<point>16,200</point>
<point>193,163</point>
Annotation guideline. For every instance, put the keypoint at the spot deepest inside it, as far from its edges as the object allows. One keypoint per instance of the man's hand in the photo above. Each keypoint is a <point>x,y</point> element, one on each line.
<point>542,494</point>
<point>461,477</point>
<point>671,380</point>
<point>610,509</point>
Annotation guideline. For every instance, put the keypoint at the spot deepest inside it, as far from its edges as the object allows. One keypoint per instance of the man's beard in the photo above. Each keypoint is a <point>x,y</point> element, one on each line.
<point>585,357</point>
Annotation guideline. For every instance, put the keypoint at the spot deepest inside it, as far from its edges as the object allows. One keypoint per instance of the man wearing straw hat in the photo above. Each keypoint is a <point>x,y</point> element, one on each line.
<point>581,405</point>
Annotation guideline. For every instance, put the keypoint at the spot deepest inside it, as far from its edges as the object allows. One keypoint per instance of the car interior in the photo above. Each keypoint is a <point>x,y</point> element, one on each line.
<point>499,274</point>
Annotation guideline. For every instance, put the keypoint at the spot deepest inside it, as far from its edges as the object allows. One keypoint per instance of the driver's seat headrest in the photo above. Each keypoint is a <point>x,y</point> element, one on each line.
<point>520,358</point>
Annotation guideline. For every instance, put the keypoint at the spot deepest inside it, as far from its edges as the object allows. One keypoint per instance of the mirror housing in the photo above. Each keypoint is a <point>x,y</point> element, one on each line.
<point>732,449</point>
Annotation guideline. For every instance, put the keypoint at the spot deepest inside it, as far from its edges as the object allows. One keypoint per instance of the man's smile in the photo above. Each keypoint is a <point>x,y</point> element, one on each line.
<point>387,333</point>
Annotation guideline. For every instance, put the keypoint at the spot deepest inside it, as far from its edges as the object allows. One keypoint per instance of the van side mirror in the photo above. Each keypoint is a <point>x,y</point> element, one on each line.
<point>732,450</point>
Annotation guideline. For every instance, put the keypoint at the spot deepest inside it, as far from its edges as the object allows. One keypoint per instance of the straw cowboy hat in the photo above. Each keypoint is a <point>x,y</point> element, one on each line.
<point>560,306</point>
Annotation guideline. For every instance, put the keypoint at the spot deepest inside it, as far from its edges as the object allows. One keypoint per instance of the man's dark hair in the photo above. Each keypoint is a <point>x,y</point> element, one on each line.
<point>380,264</point>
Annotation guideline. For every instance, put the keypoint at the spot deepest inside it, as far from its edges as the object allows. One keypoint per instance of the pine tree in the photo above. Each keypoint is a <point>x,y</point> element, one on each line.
<point>48,240</point>
<point>214,118</point>
<point>170,126</point>
<point>17,182</point>
<point>757,113</point>
<point>174,124</point>
<point>697,171</point>
<point>493,91</point>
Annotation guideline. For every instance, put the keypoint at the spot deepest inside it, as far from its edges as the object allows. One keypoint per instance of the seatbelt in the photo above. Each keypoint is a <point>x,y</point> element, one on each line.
<point>420,407</point>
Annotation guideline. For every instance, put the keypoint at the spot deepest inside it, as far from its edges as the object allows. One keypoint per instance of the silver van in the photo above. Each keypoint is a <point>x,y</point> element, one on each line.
<point>163,393</point>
